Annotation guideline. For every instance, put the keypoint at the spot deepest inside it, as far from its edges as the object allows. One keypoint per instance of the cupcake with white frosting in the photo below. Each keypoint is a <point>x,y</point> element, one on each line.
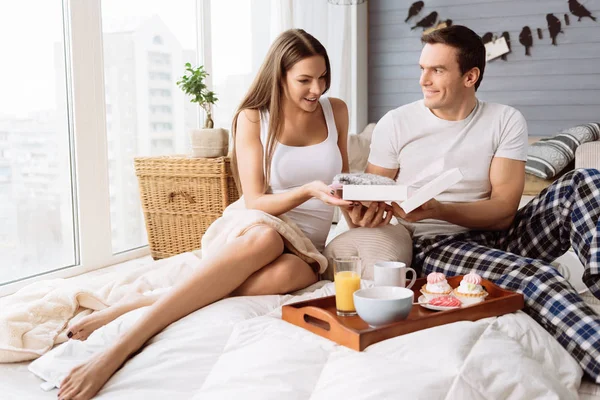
<point>436,286</point>
<point>470,290</point>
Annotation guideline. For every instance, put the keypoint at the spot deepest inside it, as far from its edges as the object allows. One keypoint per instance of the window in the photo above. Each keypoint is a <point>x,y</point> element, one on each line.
<point>60,212</point>
<point>156,58</point>
<point>160,109</point>
<point>132,29</point>
<point>69,198</point>
<point>236,58</point>
<point>37,232</point>
<point>161,126</point>
<point>160,92</point>
<point>158,145</point>
<point>160,76</point>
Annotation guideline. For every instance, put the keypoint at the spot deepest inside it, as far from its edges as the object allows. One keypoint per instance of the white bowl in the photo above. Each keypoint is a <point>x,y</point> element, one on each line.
<point>382,305</point>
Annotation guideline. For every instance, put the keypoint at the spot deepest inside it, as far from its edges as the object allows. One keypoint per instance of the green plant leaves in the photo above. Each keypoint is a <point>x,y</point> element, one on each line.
<point>192,84</point>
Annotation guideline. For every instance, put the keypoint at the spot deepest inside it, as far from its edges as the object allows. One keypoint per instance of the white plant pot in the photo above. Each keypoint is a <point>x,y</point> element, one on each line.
<point>209,143</point>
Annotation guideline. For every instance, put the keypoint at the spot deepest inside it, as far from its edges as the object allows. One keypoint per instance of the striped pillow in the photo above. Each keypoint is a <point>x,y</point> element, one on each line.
<point>548,157</point>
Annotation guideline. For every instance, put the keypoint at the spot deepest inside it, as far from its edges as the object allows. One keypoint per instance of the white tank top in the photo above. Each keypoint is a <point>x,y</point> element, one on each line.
<point>294,166</point>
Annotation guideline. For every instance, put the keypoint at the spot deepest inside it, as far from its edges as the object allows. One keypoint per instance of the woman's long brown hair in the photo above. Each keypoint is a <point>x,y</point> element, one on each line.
<point>265,93</point>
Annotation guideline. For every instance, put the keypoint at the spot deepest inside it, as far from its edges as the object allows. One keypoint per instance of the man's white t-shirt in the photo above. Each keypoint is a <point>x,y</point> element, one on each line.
<point>423,146</point>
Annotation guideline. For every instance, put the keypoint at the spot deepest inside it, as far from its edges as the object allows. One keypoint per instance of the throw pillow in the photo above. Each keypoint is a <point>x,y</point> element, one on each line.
<point>359,147</point>
<point>548,157</point>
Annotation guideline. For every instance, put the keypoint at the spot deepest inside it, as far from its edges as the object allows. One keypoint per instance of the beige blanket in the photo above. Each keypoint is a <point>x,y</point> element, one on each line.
<point>36,318</point>
<point>237,219</point>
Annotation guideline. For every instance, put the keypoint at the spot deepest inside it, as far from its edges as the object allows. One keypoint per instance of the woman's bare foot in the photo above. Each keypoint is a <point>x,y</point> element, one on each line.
<point>87,325</point>
<point>84,328</point>
<point>86,380</point>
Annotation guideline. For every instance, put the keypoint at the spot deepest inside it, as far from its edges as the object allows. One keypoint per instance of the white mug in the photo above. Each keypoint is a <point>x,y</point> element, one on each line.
<point>392,273</point>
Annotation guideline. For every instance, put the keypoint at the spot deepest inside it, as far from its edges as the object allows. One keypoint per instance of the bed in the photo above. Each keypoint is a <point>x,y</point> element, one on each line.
<point>240,348</point>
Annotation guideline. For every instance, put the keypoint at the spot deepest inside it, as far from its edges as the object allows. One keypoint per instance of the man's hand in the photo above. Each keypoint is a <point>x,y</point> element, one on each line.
<point>376,214</point>
<point>430,209</point>
<point>507,178</point>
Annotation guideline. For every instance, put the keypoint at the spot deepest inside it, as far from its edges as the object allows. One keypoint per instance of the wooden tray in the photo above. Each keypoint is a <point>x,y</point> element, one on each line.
<point>319,316</point>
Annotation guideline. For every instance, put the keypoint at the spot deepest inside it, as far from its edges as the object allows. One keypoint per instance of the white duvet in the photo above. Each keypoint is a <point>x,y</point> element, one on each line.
<point>239,348</point>
<point>35,318</point>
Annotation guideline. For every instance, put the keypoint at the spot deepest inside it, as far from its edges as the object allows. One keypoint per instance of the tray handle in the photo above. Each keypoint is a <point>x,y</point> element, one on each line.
<point>322,322</point>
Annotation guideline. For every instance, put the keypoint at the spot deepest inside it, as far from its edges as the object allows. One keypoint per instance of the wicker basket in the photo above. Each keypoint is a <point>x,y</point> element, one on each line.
<point>181,197</point>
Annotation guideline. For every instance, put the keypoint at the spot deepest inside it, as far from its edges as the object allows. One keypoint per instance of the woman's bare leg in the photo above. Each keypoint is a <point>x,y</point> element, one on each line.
<point>87,325</point>
<point>286,274</point>
<point>216,278</point>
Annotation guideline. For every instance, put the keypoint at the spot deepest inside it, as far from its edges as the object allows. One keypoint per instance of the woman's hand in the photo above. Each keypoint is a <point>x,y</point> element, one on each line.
<point>376,214</point>
<point>326,194</point>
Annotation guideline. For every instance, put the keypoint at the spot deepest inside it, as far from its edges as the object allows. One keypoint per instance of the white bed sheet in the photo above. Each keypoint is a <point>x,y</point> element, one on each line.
<point>240,348</point>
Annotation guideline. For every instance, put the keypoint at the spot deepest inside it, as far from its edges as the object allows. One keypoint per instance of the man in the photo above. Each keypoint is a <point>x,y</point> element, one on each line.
<point>475,225</point>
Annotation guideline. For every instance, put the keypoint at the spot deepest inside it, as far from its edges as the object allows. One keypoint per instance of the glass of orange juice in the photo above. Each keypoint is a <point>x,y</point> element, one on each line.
<point>347,281</point>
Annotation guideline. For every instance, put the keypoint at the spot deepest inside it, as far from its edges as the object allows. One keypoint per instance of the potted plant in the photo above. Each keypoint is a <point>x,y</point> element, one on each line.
<point>208,141</point>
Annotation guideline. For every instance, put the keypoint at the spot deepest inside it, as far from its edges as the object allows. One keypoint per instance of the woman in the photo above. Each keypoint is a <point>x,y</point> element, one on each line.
<point>280,128</point>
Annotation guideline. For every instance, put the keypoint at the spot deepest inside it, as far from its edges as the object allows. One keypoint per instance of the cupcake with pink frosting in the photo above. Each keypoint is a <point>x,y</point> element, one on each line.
<point>470,290</point>
<point>436,286</point>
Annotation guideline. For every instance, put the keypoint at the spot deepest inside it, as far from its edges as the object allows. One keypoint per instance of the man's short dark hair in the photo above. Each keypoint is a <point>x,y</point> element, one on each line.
<point>471,50</point>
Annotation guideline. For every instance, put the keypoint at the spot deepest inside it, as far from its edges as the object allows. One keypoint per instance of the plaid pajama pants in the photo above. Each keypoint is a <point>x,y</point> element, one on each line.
<point>566,214</point>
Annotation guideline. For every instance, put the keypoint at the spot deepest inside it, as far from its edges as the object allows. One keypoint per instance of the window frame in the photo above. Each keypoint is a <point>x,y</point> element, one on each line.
<point>86,108</point>
<point>82,22</point>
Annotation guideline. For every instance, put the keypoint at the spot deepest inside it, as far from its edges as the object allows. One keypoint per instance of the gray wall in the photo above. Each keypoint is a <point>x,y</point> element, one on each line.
<point>557,87</point>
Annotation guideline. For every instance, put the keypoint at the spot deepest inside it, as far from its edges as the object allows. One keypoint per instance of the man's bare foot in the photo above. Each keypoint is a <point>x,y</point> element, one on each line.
<point>86,380</point>
<point>87,325</point>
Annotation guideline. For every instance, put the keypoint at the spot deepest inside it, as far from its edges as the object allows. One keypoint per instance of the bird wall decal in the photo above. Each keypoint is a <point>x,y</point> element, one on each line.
<point>427,22</point>
<point>579,10</point>
<point>525,36</point>
<point>526,39</point>
<point>554,26</point>
<point>487,37</point>
<point>506,37</point>
<point>414,9</point>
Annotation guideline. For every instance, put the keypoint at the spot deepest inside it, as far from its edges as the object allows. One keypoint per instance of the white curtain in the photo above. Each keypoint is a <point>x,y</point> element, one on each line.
<point>235,61</point>
<point>332,26</point>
